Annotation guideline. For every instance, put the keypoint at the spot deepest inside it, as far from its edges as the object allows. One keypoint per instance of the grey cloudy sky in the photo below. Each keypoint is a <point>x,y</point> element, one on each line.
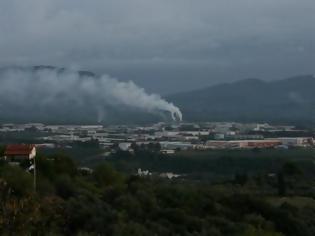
<point>163,45</point>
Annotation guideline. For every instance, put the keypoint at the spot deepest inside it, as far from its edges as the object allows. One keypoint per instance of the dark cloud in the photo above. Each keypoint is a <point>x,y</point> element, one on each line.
<point>163,45</point>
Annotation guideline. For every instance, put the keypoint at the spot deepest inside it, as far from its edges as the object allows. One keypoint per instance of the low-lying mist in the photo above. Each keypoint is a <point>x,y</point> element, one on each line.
<point>44,89</point>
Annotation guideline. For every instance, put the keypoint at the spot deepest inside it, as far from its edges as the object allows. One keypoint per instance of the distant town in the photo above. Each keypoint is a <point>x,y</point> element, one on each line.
<point>170,137</point>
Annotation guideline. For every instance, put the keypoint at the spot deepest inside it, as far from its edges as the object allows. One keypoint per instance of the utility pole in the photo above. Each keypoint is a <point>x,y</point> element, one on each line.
<point>34,172</point>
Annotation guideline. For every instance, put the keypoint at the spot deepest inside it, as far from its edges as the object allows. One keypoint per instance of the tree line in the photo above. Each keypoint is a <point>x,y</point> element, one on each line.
<point>73,201</point>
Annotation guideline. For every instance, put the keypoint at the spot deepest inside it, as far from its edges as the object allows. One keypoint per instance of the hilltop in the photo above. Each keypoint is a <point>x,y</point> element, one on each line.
<point>287,100</point>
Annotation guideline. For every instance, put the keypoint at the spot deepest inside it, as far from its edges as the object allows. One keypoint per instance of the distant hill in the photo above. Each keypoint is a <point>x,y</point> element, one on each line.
<point>64,107</point>
<point>289,100</point>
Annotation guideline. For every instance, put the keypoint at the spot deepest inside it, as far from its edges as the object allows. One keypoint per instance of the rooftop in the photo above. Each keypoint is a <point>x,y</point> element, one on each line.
<point>19,149</point>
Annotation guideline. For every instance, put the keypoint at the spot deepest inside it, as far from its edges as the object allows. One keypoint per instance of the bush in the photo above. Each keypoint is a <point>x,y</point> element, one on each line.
<point>65,187</point>
<point>18,180</point>
<point>105,175</point>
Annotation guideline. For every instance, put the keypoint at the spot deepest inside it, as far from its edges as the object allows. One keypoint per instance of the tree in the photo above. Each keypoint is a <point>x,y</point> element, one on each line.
<point>45,167</point>
<point>282,187</point>
<point>2,149</point>
<point>291,169</point>
<point>19,182</point>
<point>241,179</point>
<point>64,165</point>
<point>65,187</point>
<point>105,175</point>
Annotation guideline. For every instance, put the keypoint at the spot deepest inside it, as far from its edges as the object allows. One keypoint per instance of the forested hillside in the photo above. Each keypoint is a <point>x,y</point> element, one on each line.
<point>69,201</point>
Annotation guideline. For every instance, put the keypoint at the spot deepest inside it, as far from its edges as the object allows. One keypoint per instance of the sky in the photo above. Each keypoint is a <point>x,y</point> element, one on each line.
<point>165,46</point>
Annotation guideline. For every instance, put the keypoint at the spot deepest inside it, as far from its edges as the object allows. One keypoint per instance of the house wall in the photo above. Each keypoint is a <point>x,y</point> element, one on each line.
<point>33,153</point>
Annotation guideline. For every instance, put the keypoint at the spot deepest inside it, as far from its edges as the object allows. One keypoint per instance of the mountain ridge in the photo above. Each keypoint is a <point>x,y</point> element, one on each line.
<point>286,100</point>
<point>289,100</point>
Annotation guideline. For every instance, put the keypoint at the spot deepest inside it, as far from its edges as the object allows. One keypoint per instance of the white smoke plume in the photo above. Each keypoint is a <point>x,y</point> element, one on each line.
<point>46,86</point>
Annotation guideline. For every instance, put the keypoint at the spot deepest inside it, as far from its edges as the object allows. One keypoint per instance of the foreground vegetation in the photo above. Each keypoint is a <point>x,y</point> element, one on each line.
<point>70,201</point>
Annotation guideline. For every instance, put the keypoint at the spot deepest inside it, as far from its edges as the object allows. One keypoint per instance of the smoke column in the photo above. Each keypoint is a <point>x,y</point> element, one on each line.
<point>45,86</point>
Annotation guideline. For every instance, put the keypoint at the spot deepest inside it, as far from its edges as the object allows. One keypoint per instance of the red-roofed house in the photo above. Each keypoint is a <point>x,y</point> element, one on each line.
<point>19,152</point>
